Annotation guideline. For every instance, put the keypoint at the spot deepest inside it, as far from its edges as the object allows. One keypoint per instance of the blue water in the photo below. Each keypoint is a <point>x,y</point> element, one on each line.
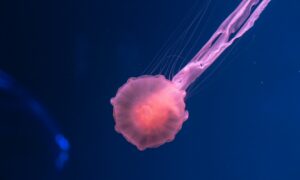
<point>72,56</point>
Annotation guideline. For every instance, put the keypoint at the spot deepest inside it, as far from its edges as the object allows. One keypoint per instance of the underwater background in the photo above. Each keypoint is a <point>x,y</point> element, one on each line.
<point>61,61</point>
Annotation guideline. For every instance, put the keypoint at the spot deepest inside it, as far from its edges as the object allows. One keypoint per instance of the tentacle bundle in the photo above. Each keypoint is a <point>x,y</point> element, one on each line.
<point>149,111</point>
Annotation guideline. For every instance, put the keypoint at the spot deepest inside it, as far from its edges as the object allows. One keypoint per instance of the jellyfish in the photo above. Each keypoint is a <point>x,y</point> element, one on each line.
<point>150,110</point>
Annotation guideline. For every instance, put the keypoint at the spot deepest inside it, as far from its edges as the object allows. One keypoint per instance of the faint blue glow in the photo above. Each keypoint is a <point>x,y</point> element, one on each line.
<point>9,85</point>
<point>61,160</point>
<point>42,115</point>
<point>5,81</point>
<point>62,142</point>
<point>63,156</point>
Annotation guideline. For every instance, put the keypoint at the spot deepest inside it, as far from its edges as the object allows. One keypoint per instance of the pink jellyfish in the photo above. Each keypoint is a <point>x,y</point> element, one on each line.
<point>150,110</point>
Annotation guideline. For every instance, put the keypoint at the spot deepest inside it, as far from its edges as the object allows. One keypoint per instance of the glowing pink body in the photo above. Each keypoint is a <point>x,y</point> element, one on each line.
<point>150,110</point>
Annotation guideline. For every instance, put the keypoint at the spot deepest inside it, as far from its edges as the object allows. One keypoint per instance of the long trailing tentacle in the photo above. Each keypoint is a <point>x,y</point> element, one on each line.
<point>234,26</point>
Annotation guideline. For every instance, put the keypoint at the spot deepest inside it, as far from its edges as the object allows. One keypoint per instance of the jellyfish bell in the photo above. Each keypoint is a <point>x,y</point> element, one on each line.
<point>149,111</point>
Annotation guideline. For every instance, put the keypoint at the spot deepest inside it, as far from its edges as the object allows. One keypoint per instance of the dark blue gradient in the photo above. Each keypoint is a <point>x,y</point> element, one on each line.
<point>72,56</point>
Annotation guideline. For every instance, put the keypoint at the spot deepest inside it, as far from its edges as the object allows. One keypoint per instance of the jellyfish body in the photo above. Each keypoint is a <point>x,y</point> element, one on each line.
<point>150,110</point>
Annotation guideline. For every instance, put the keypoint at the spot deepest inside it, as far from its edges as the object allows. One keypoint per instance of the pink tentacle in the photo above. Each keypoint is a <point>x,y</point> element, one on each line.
<point>235,25</point>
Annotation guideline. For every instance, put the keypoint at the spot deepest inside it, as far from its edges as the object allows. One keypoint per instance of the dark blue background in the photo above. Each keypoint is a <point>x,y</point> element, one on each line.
<point>73,55</point>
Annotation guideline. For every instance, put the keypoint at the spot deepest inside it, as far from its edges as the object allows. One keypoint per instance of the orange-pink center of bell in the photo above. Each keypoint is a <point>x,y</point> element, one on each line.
<point>153,112</point>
